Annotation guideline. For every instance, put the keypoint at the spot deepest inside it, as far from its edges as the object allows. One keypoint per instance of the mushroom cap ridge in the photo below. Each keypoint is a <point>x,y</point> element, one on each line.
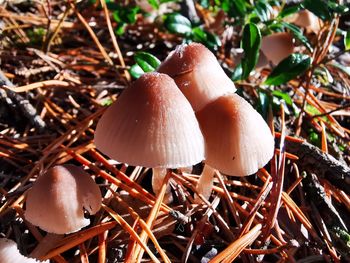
<point>238,140</point>
<point>152,125</point>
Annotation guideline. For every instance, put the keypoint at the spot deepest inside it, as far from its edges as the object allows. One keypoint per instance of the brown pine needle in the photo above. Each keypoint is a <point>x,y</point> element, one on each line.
<point>152,216</point>
<point>133,191</point>
<point>278,180</point>
<point>324,138</point>
<point>41,84</point>
<point>290,138</point>
<point>114,39</point>
<point>144,227</point>
<point>131,231</point>
<point>125,178</point>
<point>102,240</point>
<point>84,258</point>
<point>235,248</point>
<point>92,34</point>
<point>78,238</point>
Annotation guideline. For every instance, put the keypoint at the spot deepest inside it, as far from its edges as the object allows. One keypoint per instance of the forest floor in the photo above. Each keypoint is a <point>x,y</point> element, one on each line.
<point>62,63</point>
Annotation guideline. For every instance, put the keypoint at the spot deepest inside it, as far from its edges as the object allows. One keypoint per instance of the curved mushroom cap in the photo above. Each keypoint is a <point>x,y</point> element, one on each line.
<point>57,200</point>
<point>238,140</point>
<point>152,125</point>
<point>277,46</point>
<point>9,253</point>
<point>197,73</point>
<point>306,19</point>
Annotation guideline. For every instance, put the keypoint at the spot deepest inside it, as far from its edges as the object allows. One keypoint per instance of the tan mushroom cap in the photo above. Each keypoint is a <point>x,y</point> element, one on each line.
<point>306,19</point>
<point>57,200</point>
<point>238,140</point>
<point>152,125</point>
<point>197,73</point>
<point>277,46</point>
<point>9,253</point>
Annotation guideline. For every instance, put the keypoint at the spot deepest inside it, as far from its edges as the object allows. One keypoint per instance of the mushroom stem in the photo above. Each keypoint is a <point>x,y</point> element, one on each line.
<point>45,245</point>
<point>205,183</point>
<point>157,182</point>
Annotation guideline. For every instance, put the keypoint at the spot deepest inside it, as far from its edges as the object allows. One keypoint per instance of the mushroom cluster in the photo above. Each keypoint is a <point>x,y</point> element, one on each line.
<point>159,123</point>
<point>238,140</point>
<point>151,124</point>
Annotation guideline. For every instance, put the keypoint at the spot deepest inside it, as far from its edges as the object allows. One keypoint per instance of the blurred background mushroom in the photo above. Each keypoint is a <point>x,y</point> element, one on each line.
<point>307,20</point>
<point>152,125</point>
<point>276,47</point>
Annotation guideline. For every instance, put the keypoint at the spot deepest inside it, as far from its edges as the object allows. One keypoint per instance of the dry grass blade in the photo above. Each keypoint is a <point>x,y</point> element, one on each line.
<point>235,248</point>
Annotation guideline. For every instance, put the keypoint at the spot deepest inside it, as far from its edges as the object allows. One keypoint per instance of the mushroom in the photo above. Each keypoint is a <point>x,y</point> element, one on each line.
<point>197,73</point>
<point>238,140</point>
<point>306,19</point>
<point>277,46</point>
<point>152,125</point>
<point>9,253</point>
<point>57,200</point>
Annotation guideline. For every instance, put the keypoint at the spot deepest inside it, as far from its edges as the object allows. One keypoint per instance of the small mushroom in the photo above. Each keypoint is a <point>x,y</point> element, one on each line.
<point>152,125</point>
<point>238,140</point>
<point>277,46</point>
<point>57,200</point>
<point>197,73</point>
<point>9,253</point>
<point>307,20</point>
<point>56,203</point>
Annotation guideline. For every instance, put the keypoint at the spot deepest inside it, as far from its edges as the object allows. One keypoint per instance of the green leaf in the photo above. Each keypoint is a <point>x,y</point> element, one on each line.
<point>263,10</point>
<point>136,71</point>
<point>297,32</point>
<point>263,104</point>
<point>287,11</point>
<point>126,15</point>
<point>147,61</point>
<point>251,42</point>
<point>120,29</point>
<point>347,40</point>
<point>337,8</point>
<point>237,73</point>
<point>319,7</point>
<point>343,68</point>
<point>154,3</point>
<point>235,9</point>
<point>177,24</point>
<point>198,34</point>
<point>289,68</point>
<point>284,96</point>
<point>210,40</point>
